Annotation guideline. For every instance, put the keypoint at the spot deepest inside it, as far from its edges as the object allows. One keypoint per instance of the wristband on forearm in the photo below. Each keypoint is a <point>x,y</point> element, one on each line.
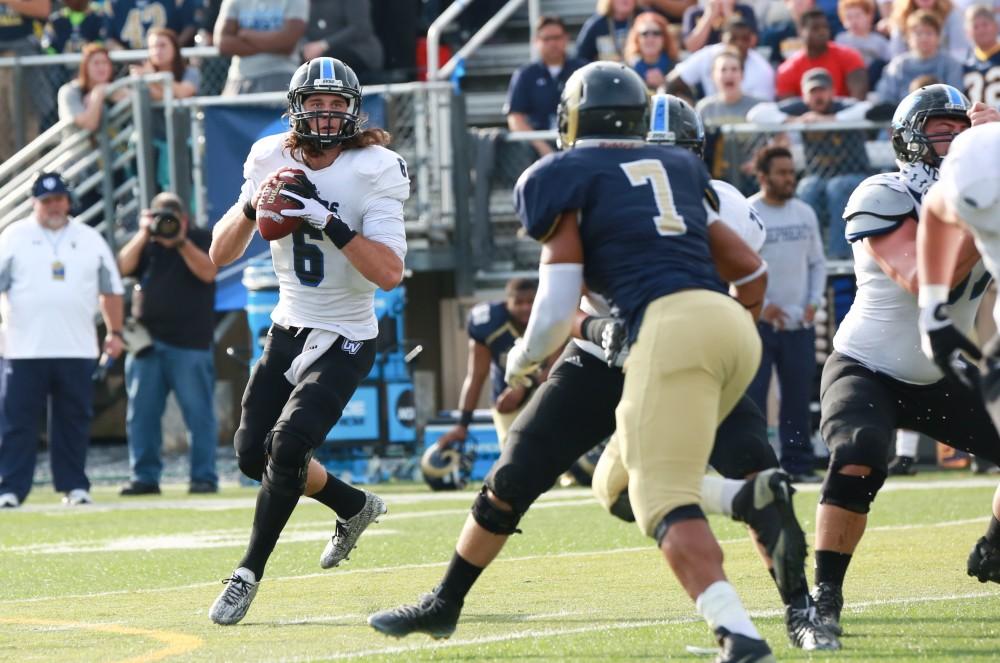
<point>465,418</point>
<point>249,211</point>
<point>592,328</point>
<point>338,231</point>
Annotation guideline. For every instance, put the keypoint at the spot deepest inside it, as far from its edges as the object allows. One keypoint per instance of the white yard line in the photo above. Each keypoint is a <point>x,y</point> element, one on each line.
<point>430,565</point>
<point>303,531</point>
<point>228,503</point>
<point>860,606</point>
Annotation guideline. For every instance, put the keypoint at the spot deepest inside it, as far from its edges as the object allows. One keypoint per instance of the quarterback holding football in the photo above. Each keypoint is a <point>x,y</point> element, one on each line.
<point>329,196</point>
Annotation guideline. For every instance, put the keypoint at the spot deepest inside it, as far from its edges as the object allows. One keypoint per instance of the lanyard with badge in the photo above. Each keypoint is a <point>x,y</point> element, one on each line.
<point>58,268</point>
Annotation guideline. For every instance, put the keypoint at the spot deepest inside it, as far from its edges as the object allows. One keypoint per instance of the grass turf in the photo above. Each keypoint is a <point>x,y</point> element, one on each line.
<point>132,579</point>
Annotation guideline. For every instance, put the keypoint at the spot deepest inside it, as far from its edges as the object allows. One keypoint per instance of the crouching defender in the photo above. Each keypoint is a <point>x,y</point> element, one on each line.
<point>573,411</point>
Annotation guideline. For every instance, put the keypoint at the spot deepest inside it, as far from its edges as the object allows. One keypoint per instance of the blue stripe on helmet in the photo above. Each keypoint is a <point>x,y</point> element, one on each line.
<point>954,96</point>
<point>658,120</point>
<point>326,67</point>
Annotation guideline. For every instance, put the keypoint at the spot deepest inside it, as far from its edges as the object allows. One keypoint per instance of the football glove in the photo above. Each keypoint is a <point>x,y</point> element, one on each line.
<point>614,343</point>
<point>947,347</point>
<point>520,369</point>
<point>314,211</point>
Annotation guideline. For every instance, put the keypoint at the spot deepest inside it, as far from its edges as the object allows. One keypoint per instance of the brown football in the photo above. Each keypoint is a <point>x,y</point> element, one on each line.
<point>271,223</point>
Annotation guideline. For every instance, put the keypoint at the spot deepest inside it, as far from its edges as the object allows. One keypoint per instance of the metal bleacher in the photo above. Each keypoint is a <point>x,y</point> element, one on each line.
<point>488,70</point>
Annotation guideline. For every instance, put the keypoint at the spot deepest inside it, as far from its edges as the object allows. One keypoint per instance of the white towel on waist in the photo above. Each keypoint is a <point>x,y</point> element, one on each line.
<point>317,343</point>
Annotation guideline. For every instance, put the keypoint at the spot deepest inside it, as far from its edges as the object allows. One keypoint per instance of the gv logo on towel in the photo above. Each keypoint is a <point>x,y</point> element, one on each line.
<point>351,347</point>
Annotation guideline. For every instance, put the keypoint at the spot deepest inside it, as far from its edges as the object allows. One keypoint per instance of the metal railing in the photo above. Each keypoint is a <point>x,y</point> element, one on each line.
<point>41,76</point>
<point>109,169</point>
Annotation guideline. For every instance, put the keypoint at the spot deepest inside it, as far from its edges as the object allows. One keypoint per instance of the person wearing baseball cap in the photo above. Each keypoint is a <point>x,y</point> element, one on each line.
<point>55,274</point>
<point>816,77</point>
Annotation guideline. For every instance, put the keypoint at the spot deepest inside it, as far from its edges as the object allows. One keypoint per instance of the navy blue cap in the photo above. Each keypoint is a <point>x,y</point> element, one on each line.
<point>49,184</point>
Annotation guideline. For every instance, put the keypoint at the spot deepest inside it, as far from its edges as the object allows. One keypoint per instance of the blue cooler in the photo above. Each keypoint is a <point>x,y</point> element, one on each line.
<point>262,296</point>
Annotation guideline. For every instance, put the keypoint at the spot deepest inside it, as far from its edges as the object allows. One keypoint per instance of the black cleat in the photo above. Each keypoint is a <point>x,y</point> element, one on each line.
<point>139,488</point>
<point>984,561</point>
<point>806,632</point>
<point>829,599</point>
<point>902,466</point>
<point>433,615</point>
<point>738,648</point>
<point>765,504</point>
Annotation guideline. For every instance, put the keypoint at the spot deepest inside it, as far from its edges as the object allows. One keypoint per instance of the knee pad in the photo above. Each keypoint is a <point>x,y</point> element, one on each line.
<point>492,518</point>
<point>868,446</point>
<point>849,492</point>
<point>686,512</point>
<point>250,457</point>
<point>515,484</point>
<point>288,456</point>
<point>622,508</point>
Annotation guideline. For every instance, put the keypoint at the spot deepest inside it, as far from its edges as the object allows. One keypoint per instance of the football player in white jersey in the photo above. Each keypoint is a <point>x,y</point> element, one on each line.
<point>573,411</point>
<point>964,206</point>
<point>322,342</point>
<point>877,379</point>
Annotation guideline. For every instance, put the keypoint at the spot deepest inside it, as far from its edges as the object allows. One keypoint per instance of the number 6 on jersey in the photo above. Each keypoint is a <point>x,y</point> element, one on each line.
<point>651,171</point>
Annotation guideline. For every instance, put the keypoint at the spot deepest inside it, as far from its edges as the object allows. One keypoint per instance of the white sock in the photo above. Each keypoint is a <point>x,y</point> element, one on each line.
<point>721,606</point>
<point>717,494</point>
<point>906,443</point>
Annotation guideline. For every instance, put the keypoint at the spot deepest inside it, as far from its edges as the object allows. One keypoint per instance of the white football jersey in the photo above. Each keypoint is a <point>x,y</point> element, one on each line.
<point>734,210</point>
<point>318,286</point>
<point>970,181</point>
<point>880,331</point>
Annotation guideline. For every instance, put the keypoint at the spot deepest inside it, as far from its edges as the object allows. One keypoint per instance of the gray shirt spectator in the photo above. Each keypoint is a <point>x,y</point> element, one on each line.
<point>796,279</point>
<point>796,268</point>
<point>904,69</point>
<point>343,29</point>
<point>729,154</point>
<point>871,46</point>
<point>262,36</point>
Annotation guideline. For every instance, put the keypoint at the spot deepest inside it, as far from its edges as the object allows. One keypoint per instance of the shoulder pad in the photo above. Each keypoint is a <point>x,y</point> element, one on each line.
<point>261,151</point>
<point>878,206</point>
<point>386,170</point>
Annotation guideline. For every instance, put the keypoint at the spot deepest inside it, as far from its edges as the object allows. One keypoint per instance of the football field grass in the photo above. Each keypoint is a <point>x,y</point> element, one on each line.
<point>132,580</point>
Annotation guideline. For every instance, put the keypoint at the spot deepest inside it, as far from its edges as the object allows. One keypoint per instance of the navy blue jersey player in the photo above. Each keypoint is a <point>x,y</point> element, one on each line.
<point>638,224</point>
<point>981,69</point>
<point>493,327</point>
<point>631,264</point>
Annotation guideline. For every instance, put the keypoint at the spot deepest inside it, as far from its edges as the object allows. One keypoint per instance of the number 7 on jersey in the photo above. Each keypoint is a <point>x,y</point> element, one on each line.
<point>652,172</point>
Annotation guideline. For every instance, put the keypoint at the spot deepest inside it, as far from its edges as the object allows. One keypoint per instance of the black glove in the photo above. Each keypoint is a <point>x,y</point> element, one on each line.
<point>949,348</point>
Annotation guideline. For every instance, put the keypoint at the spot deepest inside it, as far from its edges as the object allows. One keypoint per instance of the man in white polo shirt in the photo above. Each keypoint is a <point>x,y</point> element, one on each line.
<point>54,276</point>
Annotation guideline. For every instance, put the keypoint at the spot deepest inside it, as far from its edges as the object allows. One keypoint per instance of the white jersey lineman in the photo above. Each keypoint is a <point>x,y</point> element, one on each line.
<point>734,210</point>
<point>970,182</point>
<point>880,330</point>
<point>319,288</point>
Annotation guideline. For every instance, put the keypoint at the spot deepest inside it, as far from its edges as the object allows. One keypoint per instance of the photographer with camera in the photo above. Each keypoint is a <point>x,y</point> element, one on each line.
<point>174,301</point>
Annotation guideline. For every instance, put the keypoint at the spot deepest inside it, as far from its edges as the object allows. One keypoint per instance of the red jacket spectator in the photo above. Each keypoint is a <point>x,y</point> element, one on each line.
<point>846,66</point>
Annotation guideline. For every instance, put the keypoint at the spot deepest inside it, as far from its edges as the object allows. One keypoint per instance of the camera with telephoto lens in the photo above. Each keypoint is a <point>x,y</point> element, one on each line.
<point>165,224</point>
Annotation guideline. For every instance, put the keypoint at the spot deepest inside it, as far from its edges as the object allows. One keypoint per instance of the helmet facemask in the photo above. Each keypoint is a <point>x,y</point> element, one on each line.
<point>922,143</point>
<point>302,120</point>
